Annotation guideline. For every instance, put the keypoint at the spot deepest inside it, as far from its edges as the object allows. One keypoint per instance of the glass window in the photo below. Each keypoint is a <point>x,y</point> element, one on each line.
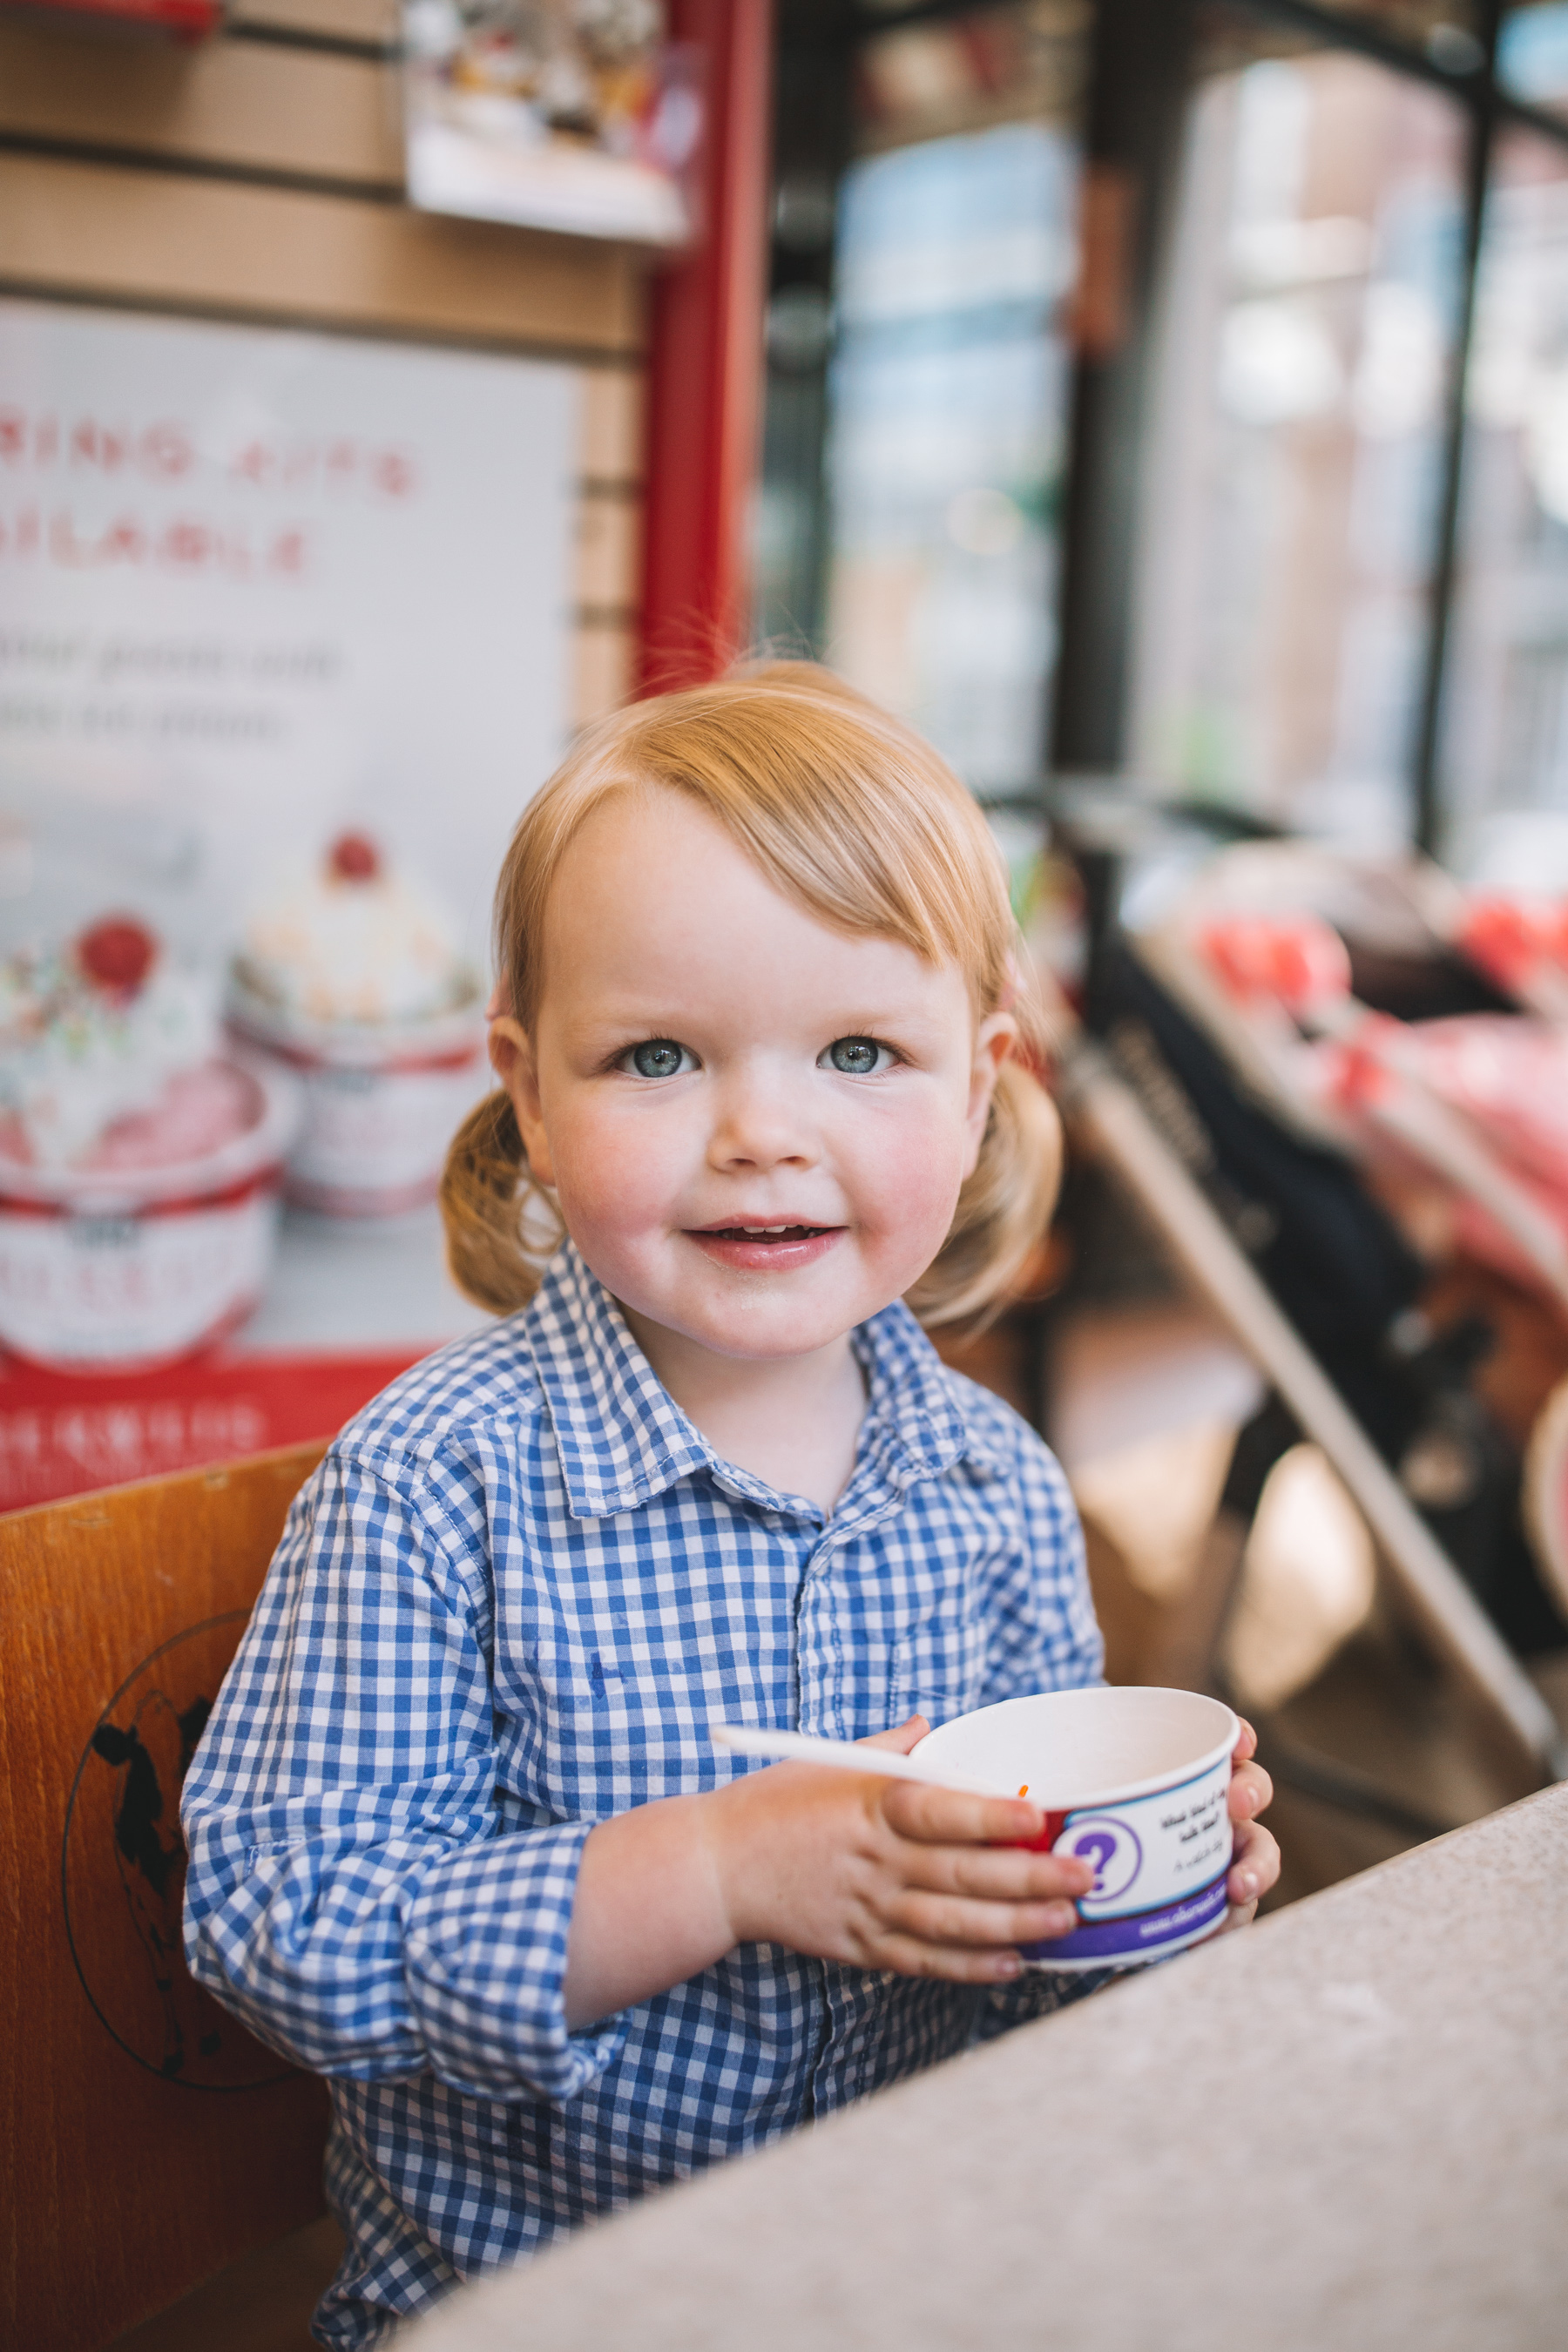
<point>947,381</point>
<point>1505,737</point>
<point>1532,54</point>
<point>1294,460</point>
<point>949,401</point>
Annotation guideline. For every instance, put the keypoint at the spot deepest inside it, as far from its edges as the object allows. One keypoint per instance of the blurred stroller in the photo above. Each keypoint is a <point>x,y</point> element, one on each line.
<point>1323,1078</point>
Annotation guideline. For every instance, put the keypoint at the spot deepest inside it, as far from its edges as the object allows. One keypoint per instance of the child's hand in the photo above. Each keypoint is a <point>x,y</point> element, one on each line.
<point>1255,1866</point>
<point>879,1874</point>
<point>886,1874</point>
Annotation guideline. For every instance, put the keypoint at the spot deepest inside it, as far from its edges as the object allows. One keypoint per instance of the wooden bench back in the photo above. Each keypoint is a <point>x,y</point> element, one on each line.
<point>146,2140</point>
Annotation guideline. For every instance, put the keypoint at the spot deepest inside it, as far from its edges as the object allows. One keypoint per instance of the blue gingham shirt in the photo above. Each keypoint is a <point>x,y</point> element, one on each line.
<point>506,1606</point>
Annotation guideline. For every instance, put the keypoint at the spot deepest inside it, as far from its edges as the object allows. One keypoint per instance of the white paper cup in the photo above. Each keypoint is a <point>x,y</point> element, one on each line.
<point>121,1270</point>
<point>1134,1781</point>
<point>382,1103</point>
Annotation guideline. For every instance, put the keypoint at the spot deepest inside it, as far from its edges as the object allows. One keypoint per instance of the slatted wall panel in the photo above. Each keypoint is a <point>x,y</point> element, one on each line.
<point>260,177</point>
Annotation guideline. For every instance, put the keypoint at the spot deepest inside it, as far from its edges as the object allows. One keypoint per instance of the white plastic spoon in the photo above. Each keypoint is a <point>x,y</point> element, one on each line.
<point>845,1756</point>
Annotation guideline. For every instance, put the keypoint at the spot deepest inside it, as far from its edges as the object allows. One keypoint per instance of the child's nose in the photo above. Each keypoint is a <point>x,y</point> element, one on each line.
<point>758,1126</point>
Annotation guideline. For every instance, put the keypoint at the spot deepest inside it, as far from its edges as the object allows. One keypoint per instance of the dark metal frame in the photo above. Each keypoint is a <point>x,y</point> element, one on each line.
<point>1480,88</point>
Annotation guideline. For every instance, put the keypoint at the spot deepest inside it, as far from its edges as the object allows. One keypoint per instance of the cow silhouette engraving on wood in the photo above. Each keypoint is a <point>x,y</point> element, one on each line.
<point>125,1801</point>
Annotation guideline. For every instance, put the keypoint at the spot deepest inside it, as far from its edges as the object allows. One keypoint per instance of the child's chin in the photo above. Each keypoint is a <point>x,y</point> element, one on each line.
<point>773,1330</point>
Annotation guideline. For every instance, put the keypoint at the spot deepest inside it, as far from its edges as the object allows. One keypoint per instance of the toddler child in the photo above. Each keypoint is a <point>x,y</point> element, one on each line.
<point>459,1837</point>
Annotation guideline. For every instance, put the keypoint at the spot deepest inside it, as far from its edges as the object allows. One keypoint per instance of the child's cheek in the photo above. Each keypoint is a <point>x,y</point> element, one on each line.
<point>917,1186</point>
<point>616,1178</point>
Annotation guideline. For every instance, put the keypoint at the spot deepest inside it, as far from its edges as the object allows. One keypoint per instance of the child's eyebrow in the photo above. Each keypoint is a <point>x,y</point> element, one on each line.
<point>646,1019</point>
<point>871,1022</point>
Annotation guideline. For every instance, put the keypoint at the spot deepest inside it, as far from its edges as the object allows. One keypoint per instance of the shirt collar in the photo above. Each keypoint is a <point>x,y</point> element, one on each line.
<point>620,1434</point>
<point>912,1407</point>
<point>622,1438</point>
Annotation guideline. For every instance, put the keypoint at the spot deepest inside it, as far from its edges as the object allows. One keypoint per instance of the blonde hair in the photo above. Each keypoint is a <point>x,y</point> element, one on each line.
<point>849,814</point>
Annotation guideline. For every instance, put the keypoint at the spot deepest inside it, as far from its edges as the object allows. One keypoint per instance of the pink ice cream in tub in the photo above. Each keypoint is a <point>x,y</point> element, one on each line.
<point>352,978</point>
<point>140,1161</point>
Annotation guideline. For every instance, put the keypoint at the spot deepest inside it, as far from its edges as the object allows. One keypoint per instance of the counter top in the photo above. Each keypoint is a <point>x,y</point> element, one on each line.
<point>1342,2130</point>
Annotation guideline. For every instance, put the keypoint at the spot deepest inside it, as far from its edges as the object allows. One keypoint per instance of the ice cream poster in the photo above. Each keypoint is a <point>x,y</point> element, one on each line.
<point>259,587</point>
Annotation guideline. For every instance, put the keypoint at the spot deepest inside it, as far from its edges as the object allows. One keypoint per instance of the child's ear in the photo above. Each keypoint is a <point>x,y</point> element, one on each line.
<point>512,1060</point>
<point>993,1041</point>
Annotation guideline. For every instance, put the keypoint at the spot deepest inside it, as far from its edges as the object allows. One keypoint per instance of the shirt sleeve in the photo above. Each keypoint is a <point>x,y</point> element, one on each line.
<point>350,1891</point>
<point>1044,1635</point>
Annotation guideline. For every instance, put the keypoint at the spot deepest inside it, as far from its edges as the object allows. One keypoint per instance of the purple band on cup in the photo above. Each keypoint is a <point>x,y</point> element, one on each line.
<point>1112,1939</point>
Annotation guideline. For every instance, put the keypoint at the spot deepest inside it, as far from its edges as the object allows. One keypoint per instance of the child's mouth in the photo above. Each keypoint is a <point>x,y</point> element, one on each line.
<point>767,1232</point>
<point>783,1247</point>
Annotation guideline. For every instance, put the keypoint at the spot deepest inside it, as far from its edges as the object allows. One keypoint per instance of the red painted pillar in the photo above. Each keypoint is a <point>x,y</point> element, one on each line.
<point>705,367</point>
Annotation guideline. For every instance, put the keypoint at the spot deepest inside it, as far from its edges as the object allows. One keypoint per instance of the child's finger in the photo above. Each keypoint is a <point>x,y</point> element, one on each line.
<point>953,1920</point>
<point>899,1736</point>
<point>1255,1864</point>
<point>947,1817</point>
<point>997,1874</point>
<point>909,1955</point>
<point>1251,1790</point>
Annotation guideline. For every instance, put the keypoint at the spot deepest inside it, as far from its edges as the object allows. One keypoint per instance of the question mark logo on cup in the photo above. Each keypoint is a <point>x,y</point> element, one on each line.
<point>1111,1847</point>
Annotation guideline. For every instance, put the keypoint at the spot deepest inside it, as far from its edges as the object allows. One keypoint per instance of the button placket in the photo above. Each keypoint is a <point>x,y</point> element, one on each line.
<point>815,1649</point>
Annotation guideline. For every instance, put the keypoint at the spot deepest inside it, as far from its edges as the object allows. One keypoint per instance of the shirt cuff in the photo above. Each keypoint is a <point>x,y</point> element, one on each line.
<point>485,1956</point>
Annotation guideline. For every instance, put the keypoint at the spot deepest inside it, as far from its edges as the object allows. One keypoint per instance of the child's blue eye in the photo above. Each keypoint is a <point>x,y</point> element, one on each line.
<point>659,1057</point>
<point>857,1057</point>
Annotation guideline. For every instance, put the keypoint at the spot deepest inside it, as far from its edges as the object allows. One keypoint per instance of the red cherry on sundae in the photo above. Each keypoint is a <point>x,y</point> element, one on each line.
<point>117,954</point>
<point>354,858</point>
